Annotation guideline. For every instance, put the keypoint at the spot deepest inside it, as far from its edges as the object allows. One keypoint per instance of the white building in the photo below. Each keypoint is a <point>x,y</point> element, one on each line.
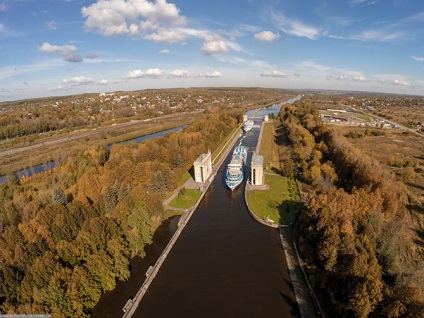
<point>203,167</point>
<point>257,170</point>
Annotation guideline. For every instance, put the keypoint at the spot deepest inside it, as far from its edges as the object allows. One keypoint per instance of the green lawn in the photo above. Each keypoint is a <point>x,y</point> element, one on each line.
<point>186,199</point>
<point>217,153</point>
<point>184,178</point>
<point>267,143</point>
<point>280,202</point>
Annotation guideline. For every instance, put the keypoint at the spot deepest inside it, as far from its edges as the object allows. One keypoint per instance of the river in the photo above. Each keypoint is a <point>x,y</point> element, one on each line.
<point>28,172</point>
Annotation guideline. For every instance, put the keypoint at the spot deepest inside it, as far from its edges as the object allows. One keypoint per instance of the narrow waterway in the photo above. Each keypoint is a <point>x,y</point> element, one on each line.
<point>224,264</point>
<point>28,172</point>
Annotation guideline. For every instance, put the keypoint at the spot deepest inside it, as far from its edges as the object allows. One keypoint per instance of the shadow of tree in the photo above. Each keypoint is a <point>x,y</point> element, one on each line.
<point>288,210</point>
<point>294,308</point>
<point>420,240</point>
<point>281,138</point>
<point>415,185</point>
<point>415,208</point>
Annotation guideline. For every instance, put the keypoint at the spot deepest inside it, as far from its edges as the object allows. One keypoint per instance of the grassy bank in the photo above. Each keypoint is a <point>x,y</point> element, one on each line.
<point>280,202</point>
<point>186,198</point>
<point>268,146</point>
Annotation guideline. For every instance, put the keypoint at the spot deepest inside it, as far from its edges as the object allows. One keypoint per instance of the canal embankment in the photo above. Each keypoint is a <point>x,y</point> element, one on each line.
<point>132,304</point>
<point>305,298</point>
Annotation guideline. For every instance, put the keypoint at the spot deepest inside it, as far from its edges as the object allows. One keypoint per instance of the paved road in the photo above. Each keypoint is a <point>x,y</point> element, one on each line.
<point>412,130</point>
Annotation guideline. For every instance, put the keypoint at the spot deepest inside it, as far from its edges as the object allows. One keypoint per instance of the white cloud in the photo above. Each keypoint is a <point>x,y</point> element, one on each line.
<point>166,36</point>
<point>61,88</point>
<point>244,62</point>
<point>90,56</point>
<point>401,83</point>
<point>179,73</point>
<point>104,82</point>
<point>214,47</point>
<point>152,72</point>
<point>418,58</point>
<point>157,21</point>
<point>274,74</point>
<point>68,51</point>
<point>294,27</point>
<point>313,65</point>
<point>79,80</point>
<point>3,29</point>
<point>378,35</point>
<point>259,63</point>
<point>266,36</point>
<point>64,49</point>
<point>249,28</point>
<point>51,25</point>
<point>135,74</point>
<point>72,58</point>
<point>213,74</point>
<point>366,2</point>
<point>164,51</point>
<point>359,79</point>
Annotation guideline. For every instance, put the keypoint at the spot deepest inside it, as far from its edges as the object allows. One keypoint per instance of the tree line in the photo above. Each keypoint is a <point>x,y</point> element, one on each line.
<point>355,229</point>
<point>67,238</point>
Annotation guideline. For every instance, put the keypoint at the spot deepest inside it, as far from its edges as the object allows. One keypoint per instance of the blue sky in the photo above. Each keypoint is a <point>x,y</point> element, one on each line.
<point>65,47</point>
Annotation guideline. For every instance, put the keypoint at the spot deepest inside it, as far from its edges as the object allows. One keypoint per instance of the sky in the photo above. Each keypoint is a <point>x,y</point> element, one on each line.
<point>66,47</point>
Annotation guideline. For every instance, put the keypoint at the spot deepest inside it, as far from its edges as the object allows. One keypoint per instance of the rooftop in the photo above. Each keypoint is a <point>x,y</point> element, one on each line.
<point>257,160</point>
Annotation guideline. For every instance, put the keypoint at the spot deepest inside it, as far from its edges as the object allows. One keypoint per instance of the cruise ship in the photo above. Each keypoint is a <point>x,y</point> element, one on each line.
<point>235,169</point>
<point>248,125</point>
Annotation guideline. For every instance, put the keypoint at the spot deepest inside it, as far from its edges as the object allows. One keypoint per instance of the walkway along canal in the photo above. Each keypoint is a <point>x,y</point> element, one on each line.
<point>224,263</point>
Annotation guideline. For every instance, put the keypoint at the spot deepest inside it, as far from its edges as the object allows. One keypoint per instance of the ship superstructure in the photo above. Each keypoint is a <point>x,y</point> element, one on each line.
<point>248,125</point>
<point>235,169</point>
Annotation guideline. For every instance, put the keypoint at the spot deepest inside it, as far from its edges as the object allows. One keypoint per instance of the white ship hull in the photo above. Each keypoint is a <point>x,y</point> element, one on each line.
<point>248,125</point>
<point>235,169</point>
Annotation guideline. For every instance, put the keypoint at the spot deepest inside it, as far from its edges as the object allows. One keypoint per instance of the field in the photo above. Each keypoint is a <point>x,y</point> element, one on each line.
<point>402,151</point>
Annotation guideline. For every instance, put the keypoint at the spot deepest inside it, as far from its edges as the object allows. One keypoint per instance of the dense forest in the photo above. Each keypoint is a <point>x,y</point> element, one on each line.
<point>356,234</point>
<point>68,235</point>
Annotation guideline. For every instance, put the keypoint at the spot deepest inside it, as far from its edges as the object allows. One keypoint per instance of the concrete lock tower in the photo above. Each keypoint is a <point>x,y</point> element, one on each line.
<point>203,167</point>
<point>257,173</point>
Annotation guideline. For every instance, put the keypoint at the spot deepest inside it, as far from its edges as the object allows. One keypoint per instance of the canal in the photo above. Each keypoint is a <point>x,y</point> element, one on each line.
<point>224,264</point>
<point>28,172</point>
